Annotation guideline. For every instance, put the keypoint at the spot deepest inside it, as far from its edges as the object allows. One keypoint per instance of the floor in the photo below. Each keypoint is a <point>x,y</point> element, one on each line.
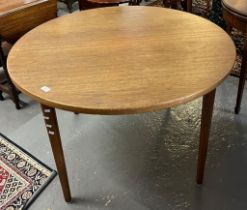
<point>145,161</point>
<point>140,162</point>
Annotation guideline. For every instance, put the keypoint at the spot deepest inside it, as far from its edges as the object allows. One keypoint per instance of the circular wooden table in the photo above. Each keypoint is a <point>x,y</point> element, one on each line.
<point>121,60</point>
<point>235,14</point>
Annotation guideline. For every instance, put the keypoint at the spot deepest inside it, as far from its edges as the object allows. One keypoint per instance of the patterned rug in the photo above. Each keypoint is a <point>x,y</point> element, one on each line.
<point>201,8</point>
<point>22,176</point>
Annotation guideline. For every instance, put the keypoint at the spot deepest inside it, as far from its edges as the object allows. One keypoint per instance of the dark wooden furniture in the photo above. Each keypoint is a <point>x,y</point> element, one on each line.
<point>16,18</point>
<point>6,84</point>
<point>108,76</point>
<point>235,14</point>
<point>90,4</point>
<point>69,3</point>
<point>19,16</point>
<point>171,3</point>
<point>186,4</point>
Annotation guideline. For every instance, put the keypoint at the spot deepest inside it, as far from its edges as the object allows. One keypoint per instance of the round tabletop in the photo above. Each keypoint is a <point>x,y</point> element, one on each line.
<point>121,60</point>
<point>238,6</point>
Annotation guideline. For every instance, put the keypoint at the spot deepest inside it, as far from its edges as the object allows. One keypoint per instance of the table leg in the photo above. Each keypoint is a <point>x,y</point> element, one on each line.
<point>243,73</point>
<point>55,140</point>
<point>1,96</point>
<point>189,6</point>
<point>207,111</point>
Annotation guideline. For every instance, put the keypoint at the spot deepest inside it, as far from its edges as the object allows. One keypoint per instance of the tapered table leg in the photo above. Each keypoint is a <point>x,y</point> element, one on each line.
<point>55,140</point>
<point>207,111</point>
<point>242,77</point>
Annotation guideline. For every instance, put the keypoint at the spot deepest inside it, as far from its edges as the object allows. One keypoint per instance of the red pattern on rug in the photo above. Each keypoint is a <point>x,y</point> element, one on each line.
<point>22,176</point>
<point>4,175</point>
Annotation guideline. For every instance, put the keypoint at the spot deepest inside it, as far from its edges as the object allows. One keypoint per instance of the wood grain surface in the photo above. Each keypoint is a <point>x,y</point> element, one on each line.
<point>20,16</point>
<point>238,6</point>
<point>7,6</point>
<point>121,60</point>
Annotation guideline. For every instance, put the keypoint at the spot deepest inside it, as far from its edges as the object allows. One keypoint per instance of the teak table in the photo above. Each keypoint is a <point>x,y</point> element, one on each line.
<point>121,60</point>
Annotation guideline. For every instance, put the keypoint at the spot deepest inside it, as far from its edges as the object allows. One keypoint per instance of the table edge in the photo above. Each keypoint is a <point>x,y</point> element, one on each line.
<point>234,11</point>
<point>123,111</point>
